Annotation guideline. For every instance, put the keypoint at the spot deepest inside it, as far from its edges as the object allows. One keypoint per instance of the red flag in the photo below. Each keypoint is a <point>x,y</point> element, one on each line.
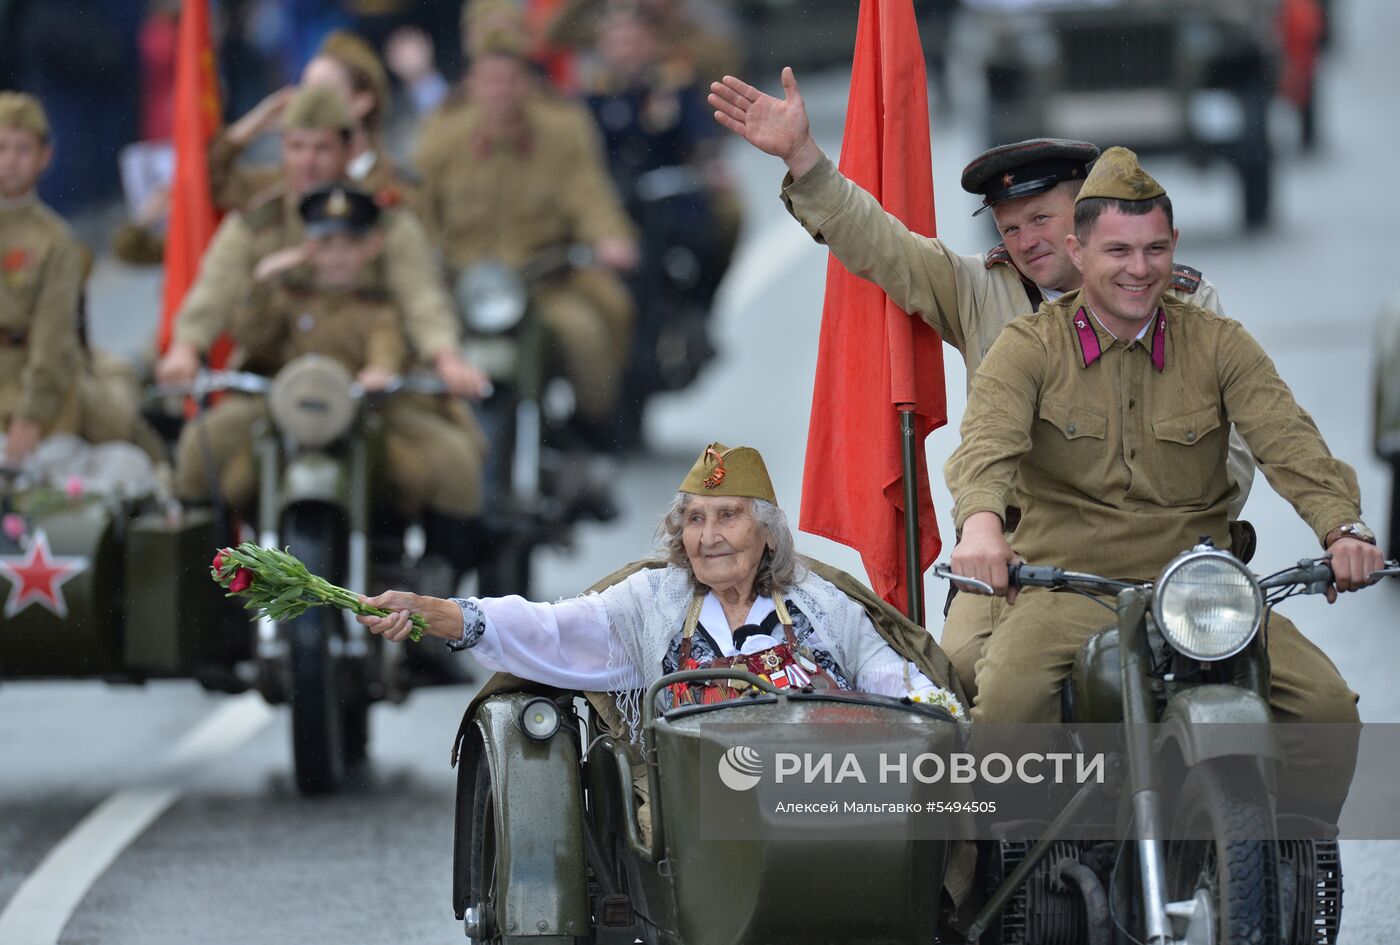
<point>873,358</point>
<point>193,217</point>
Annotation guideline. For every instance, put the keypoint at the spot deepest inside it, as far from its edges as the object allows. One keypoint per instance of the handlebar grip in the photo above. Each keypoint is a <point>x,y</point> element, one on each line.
<point>1020,574</point>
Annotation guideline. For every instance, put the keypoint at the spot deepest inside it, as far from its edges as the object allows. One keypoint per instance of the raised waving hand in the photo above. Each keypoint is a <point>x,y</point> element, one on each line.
<point>775,126</point>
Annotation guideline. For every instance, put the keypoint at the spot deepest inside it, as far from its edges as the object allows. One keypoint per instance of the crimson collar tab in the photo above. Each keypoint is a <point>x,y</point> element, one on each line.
<point>1089,339</point>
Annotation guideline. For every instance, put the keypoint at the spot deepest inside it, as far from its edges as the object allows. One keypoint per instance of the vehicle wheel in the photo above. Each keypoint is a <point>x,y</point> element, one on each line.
<point>1256,179</point>
<point>508,571</point>
<point>318,719</point>
<point>1225,855</point>
<point>483,889</point>
<point>1392,533</point>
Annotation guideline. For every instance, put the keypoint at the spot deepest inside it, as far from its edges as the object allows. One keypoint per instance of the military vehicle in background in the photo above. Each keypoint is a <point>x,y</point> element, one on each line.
<point>1190,77</point>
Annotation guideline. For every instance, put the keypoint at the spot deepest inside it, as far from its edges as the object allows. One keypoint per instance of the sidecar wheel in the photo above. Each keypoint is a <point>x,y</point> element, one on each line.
<point>1223,845</point>
<point>483,886</point>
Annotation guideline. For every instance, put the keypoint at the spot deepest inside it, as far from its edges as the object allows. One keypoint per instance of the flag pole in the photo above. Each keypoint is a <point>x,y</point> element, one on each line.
<point>914,575</point>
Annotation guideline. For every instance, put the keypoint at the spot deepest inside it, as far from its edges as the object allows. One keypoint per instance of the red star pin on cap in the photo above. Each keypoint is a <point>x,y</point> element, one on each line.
<point>38,576</point>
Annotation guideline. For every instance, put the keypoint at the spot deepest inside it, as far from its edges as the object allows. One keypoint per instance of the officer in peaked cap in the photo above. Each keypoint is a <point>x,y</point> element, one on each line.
<point>1030,189</point>
<point>1026,168</point>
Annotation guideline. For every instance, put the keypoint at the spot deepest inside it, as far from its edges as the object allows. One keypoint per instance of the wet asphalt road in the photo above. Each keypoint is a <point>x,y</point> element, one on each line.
<point>233,855</point>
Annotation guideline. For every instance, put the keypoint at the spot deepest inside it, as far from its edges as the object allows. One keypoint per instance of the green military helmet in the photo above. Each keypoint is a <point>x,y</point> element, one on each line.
<point>22,111</point>
<point>1117,175</point>
<point>316,108</point>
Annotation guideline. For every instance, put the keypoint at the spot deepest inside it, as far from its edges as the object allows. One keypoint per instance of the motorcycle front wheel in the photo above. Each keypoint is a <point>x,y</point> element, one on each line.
<point>1223,853</point>
<point>318,714</point>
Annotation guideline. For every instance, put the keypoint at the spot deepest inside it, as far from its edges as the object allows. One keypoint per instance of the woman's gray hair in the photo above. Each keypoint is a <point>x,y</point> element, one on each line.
<point>778,568</point>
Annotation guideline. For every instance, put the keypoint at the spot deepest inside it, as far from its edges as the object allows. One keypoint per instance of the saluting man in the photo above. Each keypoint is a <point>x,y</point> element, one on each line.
<point>316,134</point>
<point>1107,412</point>
<point>1029,187</point>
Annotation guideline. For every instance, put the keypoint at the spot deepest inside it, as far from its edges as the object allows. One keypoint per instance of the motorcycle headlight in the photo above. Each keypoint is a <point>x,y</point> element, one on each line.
<point>491,298</point>
<point>539,719</point>
<point>311,401</point>
<point>1208,605</point>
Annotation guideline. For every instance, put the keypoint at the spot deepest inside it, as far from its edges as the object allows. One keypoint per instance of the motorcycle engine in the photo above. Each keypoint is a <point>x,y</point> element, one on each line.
<point>1044,910</point>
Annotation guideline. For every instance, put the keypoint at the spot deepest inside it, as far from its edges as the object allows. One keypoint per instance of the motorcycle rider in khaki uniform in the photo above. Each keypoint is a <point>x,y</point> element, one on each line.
<point>1029,187</point>
<point>508,174</point>
<point>322,301</point>
<point>1108,412</point>
<point>45,382</point>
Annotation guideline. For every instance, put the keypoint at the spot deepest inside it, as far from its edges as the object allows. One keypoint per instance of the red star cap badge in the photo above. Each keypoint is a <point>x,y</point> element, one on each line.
<point>1008,179</point>
<point>38,576</point>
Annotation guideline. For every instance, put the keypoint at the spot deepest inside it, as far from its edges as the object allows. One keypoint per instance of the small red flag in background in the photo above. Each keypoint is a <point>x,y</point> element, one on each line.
<point>193,216</point>
<point>873,357</point>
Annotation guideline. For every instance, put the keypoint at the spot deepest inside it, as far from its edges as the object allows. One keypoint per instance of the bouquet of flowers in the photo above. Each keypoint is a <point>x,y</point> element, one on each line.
<point>274,584</point>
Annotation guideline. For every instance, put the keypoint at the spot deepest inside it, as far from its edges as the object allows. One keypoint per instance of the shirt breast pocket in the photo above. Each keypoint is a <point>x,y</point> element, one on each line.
<point>1189,449</point>
<point>1074,421</point>
<point>1070,443</point>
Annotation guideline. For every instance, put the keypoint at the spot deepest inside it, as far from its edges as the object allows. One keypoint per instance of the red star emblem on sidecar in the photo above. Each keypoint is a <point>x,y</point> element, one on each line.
<point>38,576</point>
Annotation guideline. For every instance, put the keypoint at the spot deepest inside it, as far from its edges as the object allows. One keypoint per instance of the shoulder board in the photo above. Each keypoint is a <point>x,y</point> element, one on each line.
<point>1185,279</point>
<point>998,256</point>
<point>265,211</point>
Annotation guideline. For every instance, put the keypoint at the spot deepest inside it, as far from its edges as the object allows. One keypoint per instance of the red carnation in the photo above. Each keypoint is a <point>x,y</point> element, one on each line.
<point>242,580</point>
<point>218,564</point>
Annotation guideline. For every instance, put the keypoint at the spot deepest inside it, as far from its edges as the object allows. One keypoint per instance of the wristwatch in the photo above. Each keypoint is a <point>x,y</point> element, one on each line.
<point>1357,530</point>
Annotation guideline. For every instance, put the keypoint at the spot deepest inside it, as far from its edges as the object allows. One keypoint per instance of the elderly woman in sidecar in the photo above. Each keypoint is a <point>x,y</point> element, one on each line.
<point>731,593</point>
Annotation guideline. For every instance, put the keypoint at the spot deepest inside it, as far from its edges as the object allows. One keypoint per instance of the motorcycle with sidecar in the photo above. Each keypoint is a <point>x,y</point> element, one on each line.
<point>117,587</point>
<point>567,831</point>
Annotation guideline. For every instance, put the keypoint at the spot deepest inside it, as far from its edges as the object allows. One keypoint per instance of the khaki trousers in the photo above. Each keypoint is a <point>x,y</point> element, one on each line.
<point>1032,647</point>
<point>589,316</point>
<point>435,455</point>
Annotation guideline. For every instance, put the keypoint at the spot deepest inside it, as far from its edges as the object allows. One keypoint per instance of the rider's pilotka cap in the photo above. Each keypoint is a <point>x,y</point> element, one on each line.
<point>317,108</point>
<point>730,471</point>
<point>21,111</point>
<point>1118,176</point>
<point>1026,168</point>
<point>338,209</point>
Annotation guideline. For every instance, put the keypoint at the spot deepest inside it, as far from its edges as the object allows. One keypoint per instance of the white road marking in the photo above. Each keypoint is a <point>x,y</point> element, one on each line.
<point>44,902</point>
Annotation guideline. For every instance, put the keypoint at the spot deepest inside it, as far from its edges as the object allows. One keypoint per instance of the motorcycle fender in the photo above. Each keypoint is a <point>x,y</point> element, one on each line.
<point>316,477</point>
<point>539,823</point>
<point>1217,722</point>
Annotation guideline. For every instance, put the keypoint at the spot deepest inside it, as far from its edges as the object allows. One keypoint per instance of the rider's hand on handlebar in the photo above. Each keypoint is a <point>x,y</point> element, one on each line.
<point>179,365</point>
<point>374,378</point>
<point>461,378</point>
<point>984,554</point>
<point>779,128</point>
<point>617,252</point>
<point>20,439</point>
<point>1353,561</point>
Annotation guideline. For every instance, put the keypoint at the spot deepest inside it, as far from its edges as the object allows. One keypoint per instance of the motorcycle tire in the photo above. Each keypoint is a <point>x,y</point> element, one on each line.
<point>483,890</point>
<point>1226,801</point>
<point>318,717</point>
<point>1392,534</point>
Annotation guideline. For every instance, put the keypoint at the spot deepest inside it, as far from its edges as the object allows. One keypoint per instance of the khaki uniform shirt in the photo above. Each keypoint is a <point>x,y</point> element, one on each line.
<point>968,300</point>
<point>407,269</point>
<point>41,279</point>
<point>281,322</point>
<point>1121,463</point>
<point>485,197</point>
